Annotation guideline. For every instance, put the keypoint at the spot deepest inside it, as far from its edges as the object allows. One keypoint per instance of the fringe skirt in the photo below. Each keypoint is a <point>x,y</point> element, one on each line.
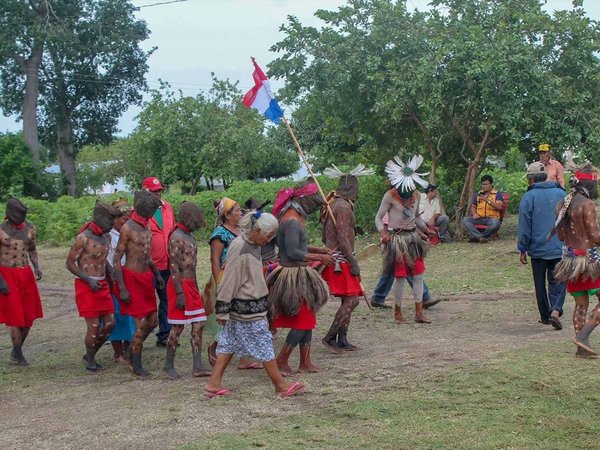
<point>294,292</point>
<point>578,265</point>
<point>405,247</point>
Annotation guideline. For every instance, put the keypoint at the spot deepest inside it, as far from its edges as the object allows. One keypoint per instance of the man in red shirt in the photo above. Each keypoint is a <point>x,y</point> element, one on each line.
<point>161,225</point>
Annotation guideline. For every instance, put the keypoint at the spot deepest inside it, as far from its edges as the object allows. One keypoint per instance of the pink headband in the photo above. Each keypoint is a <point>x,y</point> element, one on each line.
<point>285,195</point>
<point>586,176</point>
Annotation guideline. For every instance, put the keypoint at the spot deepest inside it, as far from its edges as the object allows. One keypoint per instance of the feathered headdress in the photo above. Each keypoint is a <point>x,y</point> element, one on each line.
<point>403,176</point>
<point>358,171</point>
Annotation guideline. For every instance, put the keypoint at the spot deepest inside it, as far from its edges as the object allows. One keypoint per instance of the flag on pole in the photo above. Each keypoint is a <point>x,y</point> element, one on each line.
<point>261,97</point>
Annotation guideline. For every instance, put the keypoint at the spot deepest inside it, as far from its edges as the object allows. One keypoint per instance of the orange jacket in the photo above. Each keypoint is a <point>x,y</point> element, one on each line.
<point>483,209</point>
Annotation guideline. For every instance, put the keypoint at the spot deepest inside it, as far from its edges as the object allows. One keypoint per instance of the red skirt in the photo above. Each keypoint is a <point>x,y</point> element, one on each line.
<point>194,306</point>
<point>141,293</point>
<point>306,319</point>
<point>93,304</point>
<point>580,285</point>
<point>401,270</point>
<point>342,284</point>
<point>22,305</point>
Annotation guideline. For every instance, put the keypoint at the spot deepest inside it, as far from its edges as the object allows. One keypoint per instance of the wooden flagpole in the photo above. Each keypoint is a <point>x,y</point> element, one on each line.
<point>301,153</point>
<point>303,157</point>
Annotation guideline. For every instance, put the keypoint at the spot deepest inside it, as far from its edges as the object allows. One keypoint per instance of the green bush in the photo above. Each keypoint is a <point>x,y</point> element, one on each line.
<point>59,222</point>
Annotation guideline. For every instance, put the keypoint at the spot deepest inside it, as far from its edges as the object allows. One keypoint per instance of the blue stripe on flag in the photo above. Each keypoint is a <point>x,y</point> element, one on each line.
<point>274,112</point>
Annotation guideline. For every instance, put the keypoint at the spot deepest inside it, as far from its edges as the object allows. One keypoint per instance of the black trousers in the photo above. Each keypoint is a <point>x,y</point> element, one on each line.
<point>550,298</point>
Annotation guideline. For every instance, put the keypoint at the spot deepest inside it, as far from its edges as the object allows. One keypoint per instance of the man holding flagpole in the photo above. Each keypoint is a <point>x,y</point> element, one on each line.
<point>261,98</point>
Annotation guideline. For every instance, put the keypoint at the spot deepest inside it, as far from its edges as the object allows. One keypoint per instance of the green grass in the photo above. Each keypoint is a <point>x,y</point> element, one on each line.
<point>484,374</point>
<point>531,398</point>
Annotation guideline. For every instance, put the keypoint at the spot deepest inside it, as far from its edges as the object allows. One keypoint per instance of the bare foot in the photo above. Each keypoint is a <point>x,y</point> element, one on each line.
<point>332,345</point>
<point>18,361</point>
<point>172,373</point>
<point>142,373</point>
<point>285,369</point>
<point>91,366</point>
<point>420,318</point>
<point>201,373</point>
<point>309,368</point>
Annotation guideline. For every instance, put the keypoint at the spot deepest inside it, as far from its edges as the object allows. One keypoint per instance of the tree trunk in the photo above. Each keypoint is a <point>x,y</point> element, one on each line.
<point>468,189</point>
<point>32,86</point>
<point>194,186</point>
<point>66,154</point>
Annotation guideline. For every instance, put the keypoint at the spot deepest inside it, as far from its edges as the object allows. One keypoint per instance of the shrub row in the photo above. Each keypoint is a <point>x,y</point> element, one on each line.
<point>58,222</point>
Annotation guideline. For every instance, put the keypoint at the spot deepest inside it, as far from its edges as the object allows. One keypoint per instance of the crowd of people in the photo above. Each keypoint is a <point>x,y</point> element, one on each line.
<point>265,276</point>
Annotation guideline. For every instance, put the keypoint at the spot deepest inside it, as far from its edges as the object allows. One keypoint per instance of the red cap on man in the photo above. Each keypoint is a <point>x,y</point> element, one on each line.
<point>152,184</point>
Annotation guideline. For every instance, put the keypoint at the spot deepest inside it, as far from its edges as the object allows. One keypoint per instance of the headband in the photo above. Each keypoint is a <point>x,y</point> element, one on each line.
<point>285,195</point>
<point>586,176</point>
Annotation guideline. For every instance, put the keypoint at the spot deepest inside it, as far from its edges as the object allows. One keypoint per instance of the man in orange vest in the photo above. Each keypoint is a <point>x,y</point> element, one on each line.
<point>161,225</point>
<point>485,210</point>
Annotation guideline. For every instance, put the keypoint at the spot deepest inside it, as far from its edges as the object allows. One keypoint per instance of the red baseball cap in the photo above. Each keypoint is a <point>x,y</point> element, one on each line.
<point>152,184</point>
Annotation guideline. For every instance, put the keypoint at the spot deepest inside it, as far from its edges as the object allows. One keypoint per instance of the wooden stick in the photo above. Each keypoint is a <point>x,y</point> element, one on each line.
<point>301,153</point>
<point>362,287</point>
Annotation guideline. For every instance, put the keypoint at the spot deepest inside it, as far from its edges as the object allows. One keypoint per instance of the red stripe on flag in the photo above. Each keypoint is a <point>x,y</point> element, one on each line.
<point>258,75</point>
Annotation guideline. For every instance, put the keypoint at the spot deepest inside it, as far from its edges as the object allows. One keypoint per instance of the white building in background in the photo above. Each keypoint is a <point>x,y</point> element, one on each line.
<point>107,188</point>
<point>121,186</point>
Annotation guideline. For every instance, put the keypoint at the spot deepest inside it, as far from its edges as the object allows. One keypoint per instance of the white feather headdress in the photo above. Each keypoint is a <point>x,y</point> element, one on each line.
<point>358,171</point>
<point>403,176</point>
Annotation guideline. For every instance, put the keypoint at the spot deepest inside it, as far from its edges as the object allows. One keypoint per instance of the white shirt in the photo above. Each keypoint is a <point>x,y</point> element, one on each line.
<point>114,240</point>
<point>429,209</point>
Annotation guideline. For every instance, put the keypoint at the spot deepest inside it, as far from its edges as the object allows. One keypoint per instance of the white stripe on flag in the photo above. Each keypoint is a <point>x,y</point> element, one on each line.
<point>262,100</point>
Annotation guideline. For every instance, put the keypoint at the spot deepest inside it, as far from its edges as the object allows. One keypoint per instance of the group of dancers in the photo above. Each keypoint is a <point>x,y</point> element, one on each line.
<point>265,277</point>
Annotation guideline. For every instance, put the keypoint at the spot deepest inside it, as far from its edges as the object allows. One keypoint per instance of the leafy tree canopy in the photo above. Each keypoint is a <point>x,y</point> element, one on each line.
<point>463,80</point>
<point>213,136</point>
<point>91,70</point>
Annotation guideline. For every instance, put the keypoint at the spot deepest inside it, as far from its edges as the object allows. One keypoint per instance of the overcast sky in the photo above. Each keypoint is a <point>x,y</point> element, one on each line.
<point>197,37</point>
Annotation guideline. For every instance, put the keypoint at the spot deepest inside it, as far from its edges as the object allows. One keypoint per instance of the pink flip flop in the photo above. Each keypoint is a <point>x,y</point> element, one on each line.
<point>222,393</point>
<point>296,388</point>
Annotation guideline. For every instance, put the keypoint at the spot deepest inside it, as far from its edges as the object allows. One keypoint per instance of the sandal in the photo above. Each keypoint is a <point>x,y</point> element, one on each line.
<point>296,388</point>
<point>220,393</point>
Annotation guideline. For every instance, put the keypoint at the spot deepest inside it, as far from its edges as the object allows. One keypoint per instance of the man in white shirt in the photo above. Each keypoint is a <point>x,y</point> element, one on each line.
<point>431,212</point>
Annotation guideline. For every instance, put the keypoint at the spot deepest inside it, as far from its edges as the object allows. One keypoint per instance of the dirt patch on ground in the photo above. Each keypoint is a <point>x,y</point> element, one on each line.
<point>55,404</point>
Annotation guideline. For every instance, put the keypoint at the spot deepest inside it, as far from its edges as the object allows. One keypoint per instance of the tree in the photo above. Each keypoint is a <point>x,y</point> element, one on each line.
<point>212,136</point>
<point>463,80</point>
<point>92,70</point>
<point>16,167</point>
<point>23,33</point>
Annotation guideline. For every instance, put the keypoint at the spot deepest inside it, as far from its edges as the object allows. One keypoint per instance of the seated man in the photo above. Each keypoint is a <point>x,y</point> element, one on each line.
<point>485,210</point>
<point>431,213</point>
